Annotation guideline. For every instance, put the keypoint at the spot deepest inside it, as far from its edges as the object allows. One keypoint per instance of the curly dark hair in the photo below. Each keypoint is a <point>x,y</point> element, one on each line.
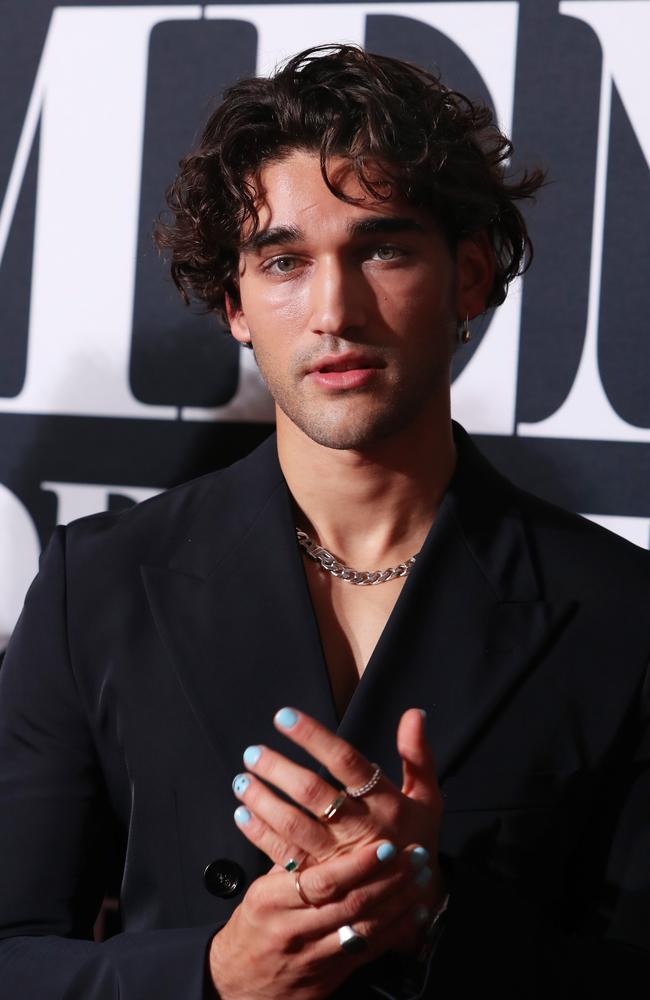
<point>439,150</point>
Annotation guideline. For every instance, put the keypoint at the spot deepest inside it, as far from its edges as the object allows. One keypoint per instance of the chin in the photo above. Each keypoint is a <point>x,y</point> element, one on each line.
<point>348,434</point>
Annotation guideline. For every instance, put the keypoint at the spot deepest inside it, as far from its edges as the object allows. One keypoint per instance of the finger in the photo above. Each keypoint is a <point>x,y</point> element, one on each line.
<point>324,886</point>
<point>374,866</point>
<point>290,824</point>
<point>354,887</point>
<point>340,758</point>
<point>405,932</point>
<point>395,917</point>
<point>267,840</point>
<point>299,783</point>
<point>420,780</point>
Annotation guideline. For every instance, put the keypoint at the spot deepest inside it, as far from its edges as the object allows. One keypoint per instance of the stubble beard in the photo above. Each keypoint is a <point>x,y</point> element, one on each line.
<point>354,419</point>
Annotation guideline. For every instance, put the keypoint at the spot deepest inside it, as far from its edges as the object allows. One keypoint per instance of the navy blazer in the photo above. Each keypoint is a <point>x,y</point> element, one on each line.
<point>155,645</point>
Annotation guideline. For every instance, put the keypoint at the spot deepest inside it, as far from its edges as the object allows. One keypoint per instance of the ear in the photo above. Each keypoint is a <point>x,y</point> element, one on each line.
<point>237,321</point>
<point>475,267</point>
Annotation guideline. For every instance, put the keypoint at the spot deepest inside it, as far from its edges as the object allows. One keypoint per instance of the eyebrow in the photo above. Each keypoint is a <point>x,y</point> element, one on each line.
<point>373,226</point>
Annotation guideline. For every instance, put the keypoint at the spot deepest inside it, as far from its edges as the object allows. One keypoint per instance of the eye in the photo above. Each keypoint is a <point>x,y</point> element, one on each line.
<point>388,252</point>
<point>280,265</point>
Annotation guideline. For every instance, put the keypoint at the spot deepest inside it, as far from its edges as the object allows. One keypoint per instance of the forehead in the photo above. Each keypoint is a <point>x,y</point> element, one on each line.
<point>292,192</point>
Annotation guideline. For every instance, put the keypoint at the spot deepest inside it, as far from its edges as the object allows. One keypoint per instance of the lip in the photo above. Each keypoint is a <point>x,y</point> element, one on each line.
<point>338,363</point>
<point>351,378</point>
<point>351,370</point>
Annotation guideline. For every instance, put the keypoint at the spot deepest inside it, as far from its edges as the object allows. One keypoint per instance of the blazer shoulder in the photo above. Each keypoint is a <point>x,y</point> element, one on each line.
<point>579,549</point>
<point>572,554</point>
<point>156,520</point>
<point>153,529</point>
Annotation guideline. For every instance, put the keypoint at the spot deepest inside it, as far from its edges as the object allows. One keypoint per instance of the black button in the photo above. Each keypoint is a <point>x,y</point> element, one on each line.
<point>224,878</point>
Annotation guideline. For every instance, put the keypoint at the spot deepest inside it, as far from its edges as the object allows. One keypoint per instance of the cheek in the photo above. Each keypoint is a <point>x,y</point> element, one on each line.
<point>270,304</point>
<point>412,316</point>
<point>413,296</point>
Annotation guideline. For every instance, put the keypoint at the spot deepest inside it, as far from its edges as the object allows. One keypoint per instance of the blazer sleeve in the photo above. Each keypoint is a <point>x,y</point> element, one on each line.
<point>54,814</point>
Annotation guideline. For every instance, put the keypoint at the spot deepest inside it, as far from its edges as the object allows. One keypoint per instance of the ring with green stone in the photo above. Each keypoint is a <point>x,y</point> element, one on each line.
<point>293,864</point>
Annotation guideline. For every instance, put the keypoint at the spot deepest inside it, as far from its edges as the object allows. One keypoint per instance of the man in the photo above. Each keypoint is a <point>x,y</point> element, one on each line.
<point>349,217</point>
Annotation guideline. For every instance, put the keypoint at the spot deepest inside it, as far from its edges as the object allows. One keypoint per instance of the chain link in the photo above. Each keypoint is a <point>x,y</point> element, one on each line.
<point>337,569</point>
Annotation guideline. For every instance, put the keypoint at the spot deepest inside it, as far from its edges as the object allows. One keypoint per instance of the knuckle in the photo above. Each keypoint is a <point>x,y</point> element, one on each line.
<point>257,895</point>
<point>277,938</point>
<point>311,789</point>
<point>346,758</point>
<point>355,902</point>
<point>290,825</point>
<point>362,898</point>
<point>369,928</point>
<point>276,849</point>
<point>322,887</point>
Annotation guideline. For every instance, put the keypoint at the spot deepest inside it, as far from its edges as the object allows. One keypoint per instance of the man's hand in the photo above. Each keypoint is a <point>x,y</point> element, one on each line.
<point>278,945</point>
<point>411,814</point>
<point>283,830</point>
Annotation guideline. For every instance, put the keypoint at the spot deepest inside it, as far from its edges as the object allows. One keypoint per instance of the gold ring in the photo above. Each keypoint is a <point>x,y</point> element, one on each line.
<point>301,891</point>
<point>331,810</point>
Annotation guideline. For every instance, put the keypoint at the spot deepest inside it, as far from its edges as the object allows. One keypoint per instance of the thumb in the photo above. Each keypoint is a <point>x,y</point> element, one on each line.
<point>418,766</point>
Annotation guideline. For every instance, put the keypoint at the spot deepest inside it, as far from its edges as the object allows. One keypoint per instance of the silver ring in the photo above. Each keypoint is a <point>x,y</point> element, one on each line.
<point>357,793</point>
<point>331,810</point>
<point>350,941</point>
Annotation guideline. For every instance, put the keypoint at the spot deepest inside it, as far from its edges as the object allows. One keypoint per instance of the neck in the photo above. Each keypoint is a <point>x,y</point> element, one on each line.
<point>372,507</point>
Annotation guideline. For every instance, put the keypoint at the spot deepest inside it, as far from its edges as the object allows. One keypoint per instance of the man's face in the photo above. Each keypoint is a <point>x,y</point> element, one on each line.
<point>351,309</point>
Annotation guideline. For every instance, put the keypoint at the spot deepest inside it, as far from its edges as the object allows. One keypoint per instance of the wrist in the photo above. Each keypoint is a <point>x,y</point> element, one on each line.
<point>217,965</point>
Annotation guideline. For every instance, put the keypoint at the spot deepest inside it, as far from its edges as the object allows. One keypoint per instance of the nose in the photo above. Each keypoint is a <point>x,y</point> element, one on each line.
<point>336,298</point>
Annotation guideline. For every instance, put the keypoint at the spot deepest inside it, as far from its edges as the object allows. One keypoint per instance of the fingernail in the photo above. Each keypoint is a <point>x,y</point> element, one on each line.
<point>421,914</point>
<point>252,755</point>
<point>423,877</point>
<point>386,851</point>
<point>242,816</point>
<point>423,712</point>
<point>419,857</point>
<point>240,784</point>
<point>286,718</point>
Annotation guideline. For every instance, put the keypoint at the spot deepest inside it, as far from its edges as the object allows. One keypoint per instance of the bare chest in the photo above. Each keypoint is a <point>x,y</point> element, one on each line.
<point>351,620</point>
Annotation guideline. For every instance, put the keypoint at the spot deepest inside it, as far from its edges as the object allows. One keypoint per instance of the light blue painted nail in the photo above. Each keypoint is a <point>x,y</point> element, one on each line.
<point>419,857</point>
<point>423,713</point>
<point>423,877</point>
<point>286,718</point>
<point>252,755</point>
<point>242,816</point>
<point>240,784</point>
<point>386,851</point>
<point>421,914</point>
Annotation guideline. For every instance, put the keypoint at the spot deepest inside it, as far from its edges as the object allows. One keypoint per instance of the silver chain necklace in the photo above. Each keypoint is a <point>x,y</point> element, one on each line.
<point>362,579</point>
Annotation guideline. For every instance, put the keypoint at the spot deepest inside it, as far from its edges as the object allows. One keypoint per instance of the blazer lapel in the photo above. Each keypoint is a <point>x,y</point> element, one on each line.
<point>468,626</point>
<point>233,610</point>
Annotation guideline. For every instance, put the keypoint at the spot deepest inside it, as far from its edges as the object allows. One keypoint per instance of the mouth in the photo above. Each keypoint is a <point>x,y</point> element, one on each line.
<point>345,363</point>
<point>349,371</point>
